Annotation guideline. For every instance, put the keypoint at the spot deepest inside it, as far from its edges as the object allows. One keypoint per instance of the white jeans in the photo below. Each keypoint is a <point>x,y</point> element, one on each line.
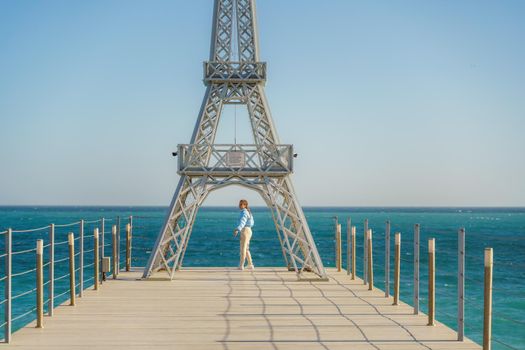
<point>246,235</point>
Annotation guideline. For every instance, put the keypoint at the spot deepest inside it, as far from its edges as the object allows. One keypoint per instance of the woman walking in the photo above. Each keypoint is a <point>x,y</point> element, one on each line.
<point>244,226</point>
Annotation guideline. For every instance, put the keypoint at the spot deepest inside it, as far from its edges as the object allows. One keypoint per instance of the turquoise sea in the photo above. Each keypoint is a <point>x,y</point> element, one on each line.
<point>212,244</point>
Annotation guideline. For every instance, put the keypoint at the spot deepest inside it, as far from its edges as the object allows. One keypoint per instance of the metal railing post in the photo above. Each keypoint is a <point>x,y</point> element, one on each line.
<point>114,243</point>
<point>387,259</point>
<point>118,245</point>
<point>365,253</point>
<point>81,260</point>
<point>102,244</point>
<point>7,284</point>
<point>487,300</point>
<point>461,284</point>
<point>348,234</point>
<point>416,269</point>
<point>336,220</point>
<point>130,239</point>
<point>51,291</point>
<point>397,266</point>
<point>39,283</point>
<point>128,247</point>
<point>71,244</point>
<point>95,259</point>
<point>431,281</point>
<point>338,248</point>
<point>370,260</point>
<point>353,252</point>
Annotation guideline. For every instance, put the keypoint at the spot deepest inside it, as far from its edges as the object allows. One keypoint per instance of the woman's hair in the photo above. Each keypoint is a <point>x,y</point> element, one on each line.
<point>244,202</point>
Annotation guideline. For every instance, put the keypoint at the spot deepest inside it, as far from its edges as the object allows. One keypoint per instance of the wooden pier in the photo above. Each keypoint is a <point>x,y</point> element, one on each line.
<point>222,308</point>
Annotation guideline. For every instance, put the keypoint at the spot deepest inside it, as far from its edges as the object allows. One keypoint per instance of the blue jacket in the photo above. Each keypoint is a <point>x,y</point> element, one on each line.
<point>245,219</point>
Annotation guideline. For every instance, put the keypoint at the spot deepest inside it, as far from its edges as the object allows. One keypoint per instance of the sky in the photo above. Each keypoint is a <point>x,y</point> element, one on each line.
<point>387,103</point>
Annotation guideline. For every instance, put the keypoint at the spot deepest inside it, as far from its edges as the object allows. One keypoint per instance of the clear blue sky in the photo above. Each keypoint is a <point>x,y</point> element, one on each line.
<point>395,102</point>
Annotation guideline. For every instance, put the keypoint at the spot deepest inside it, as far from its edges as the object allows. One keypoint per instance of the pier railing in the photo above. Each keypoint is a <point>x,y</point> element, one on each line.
<point>421,257</point>
<point>65,260</point>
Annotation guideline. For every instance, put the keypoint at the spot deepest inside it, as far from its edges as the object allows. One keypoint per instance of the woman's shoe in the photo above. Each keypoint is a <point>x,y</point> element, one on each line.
<point>240,268</point>
<point>251,267</point>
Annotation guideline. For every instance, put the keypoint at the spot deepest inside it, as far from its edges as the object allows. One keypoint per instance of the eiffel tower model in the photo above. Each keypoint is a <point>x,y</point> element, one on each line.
<point>235,75</point>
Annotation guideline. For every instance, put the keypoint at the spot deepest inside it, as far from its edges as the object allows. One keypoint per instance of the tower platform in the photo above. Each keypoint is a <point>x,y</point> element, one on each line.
<point>235,160</point>
<point>221,308</point>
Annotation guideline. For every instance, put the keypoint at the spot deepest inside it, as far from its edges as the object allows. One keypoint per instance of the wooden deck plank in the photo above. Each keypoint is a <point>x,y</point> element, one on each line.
<point>219,308</point>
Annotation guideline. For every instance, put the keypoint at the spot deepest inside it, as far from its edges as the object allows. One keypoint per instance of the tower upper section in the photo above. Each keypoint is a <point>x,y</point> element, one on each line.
<point>234,51</point>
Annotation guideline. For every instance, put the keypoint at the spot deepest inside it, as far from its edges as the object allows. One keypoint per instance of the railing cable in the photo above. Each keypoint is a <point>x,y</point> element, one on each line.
<point>24,251</point>
<point>31,229</point>
<point>22,294</point>
<point>504,344</point>
<point>68,225</point>
<point>500,316</point>
<point>23,315</point>
<point>92,221</point>
<point>13,275</point>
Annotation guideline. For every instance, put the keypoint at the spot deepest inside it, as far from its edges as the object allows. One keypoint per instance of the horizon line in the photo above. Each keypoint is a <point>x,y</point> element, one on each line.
<point>259,206</point>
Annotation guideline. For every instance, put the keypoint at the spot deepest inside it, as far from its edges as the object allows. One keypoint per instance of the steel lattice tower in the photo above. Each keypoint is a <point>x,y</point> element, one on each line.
<point>235,78</point>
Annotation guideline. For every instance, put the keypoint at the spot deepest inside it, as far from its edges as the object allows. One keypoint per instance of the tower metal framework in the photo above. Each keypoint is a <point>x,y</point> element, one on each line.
<point>235,75</point>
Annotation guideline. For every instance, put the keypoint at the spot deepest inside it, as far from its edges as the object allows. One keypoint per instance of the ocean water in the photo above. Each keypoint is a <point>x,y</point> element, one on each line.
<point>212,244</point>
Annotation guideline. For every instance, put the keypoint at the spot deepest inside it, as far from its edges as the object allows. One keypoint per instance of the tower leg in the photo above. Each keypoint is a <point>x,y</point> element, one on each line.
<point>297,239</point>
<point>173,238</point>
